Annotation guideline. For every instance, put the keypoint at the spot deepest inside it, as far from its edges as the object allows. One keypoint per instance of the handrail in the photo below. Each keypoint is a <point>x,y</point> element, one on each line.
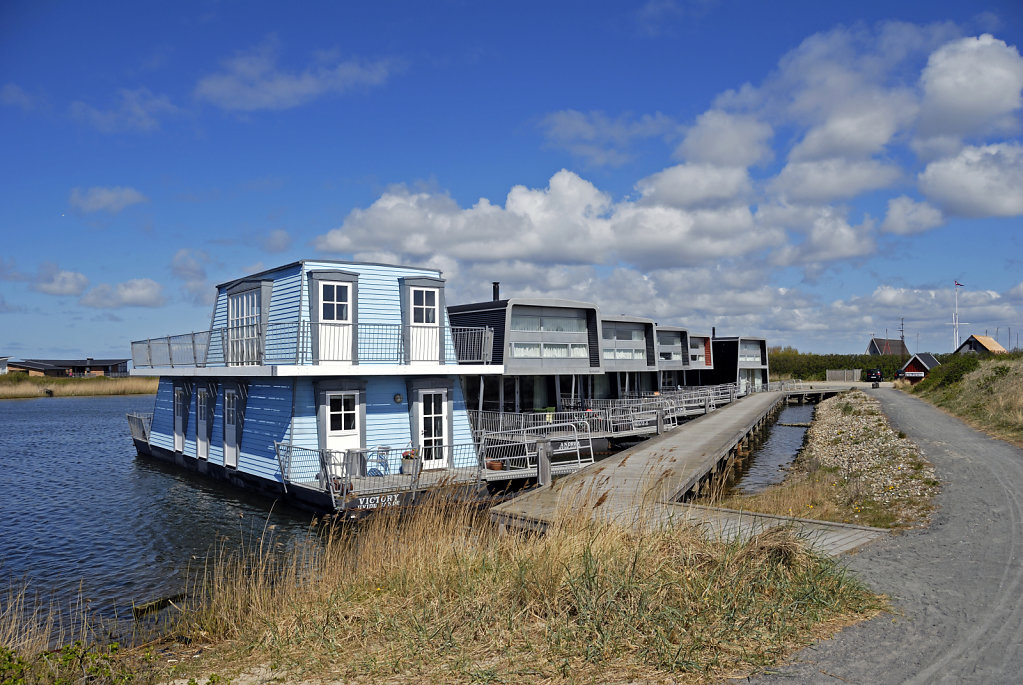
<point>344,473</point>
<point>307,342</point>
<point>517,450</point>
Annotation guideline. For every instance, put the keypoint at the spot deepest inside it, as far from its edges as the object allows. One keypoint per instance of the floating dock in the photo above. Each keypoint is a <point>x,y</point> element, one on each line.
<point>644,486</point>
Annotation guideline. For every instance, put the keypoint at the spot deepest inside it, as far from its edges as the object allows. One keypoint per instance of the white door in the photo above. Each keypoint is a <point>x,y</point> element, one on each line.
<point>433,429</point>
<point>343,429</point>
<point>231,428</point>
<point>424,329</point>
<point>335,327</point>
<point>202,440</point>
<point>180,409</point>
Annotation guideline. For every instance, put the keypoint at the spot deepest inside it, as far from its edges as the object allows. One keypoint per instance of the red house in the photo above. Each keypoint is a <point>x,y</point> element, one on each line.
<point>918,366</point>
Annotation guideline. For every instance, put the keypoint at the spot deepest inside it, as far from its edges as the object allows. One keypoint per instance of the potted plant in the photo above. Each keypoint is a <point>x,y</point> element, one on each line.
<point>408,460</point>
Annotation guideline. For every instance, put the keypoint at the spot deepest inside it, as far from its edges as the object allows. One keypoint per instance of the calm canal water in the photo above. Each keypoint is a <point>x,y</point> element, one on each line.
<point>78,510</point>
<point>767,467</point>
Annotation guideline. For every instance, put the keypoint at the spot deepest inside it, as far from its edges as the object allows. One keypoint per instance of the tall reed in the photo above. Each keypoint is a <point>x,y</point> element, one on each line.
<point>439,594</point>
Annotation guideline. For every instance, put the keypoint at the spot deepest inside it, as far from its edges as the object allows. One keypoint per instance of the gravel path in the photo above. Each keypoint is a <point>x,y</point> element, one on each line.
<point>957,587</point>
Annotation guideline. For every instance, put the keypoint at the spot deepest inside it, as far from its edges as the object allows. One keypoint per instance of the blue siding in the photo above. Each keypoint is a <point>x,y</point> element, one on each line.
<point>304,430</point>
<point>380,302</point>
<point>461,431</point>
<point>161,434</point>
<point>190,424</point>
<point>303,425</point>
<point>217,430</point>
<point>284,311</point>
<point>387,423</point>
<point>267,417</point>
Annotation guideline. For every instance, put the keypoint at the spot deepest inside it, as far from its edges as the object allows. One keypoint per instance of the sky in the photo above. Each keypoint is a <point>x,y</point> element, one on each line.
<point>811,172</point>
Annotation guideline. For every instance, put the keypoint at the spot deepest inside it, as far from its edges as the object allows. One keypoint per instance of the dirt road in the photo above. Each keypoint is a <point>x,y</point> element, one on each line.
<point>957,587</point>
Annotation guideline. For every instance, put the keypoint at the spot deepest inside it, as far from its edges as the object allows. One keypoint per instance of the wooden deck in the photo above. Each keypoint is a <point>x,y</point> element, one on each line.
<point>642,485</point>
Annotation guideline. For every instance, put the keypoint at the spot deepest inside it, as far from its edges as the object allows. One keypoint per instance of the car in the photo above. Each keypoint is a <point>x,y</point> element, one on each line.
<point>874,375</point>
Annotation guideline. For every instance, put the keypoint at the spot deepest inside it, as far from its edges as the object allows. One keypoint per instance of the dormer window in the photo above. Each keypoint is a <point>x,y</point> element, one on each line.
<point>248,303</point>
<point>424,306</point>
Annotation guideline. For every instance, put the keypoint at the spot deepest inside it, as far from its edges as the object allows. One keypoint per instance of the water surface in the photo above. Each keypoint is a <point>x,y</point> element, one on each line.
<point>78,509</point>
<point>769,463</point>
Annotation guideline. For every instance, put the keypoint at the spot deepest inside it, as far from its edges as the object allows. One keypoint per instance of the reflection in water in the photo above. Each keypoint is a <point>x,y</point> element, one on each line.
<point>768,464</point>
<point>80,510</point>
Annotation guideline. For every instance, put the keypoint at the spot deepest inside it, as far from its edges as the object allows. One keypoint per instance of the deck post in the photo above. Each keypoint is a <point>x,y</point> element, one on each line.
<point>543,462</point>
<point>660,420</point>
<point>480,403</point>
<point>557,392</point>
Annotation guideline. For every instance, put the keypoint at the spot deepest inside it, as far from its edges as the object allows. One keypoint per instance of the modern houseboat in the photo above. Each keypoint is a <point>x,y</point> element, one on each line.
<point>334,383</point>
<point>350,386</point>
<point>548,348</point>
<point>741,360</point>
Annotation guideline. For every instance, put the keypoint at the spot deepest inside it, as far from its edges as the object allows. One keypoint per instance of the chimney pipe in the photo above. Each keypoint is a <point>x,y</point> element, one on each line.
<point>713,332</point>
<point>497,290</point>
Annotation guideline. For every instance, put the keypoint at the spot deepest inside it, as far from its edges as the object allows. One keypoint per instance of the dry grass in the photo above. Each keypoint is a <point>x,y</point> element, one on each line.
<point>19,386</point>
<point>438,595</point>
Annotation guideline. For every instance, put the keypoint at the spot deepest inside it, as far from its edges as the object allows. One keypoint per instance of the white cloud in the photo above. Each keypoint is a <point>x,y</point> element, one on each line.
<point>695,185</point>
<point>111,200</point>
<point>13,95</point>
<point>725,139</point>
<point>190,267</point>
<point>830,237</point>
<point>1017,292</point>
<point>253,81</point>
<point>137,292</point>
<point>971,85</point>
<point>52,280</point>
<point>597,138</point>
<point>860,128</point>
<point>979,181</point>
<point>832,179</point>
<point>906,216</point>
<point>277,240</point>
<point>569,222</point>
<point>564,222</point>
<point>137,110</point>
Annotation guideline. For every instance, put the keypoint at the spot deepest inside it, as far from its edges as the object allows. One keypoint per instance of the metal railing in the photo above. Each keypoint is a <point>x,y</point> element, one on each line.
<point>515,452</point>
<point>305,342</point>
<point>636,414</point>
<point>345,474</point>
<point>140,425</point>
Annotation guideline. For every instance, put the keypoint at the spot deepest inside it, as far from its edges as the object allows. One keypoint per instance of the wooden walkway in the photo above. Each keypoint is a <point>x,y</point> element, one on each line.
<point>641,486</point>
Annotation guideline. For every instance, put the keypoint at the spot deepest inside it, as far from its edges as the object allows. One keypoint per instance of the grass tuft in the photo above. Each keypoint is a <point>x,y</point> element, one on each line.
<point>20,386</point>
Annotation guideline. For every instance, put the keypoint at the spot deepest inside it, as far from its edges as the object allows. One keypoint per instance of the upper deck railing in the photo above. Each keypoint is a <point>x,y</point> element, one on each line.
<point>304,342</point>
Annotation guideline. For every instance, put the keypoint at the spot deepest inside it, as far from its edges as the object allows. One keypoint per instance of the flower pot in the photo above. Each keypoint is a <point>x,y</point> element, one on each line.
<point>495,465</point>
<point>408,466</point>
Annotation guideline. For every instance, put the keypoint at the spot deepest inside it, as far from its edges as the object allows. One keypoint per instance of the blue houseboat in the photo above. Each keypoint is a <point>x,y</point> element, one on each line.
<point>335,384</point>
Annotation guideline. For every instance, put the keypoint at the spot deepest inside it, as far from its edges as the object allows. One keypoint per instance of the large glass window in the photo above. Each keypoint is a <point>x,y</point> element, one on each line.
<point>526,350</point>
<point>522,322</point>
<point>555,351</point>
<point>243,313</point>
<point>579,350</point>
<point>548,324</point>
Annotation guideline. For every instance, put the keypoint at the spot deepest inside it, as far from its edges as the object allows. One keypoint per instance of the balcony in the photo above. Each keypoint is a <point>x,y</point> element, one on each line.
<point>304,343</point>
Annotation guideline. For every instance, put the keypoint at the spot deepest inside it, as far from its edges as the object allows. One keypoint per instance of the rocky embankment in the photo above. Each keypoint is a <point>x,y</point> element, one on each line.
<point>869,463</point>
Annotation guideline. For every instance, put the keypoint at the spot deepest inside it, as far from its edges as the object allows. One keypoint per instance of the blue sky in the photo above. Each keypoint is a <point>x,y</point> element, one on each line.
<point>812,172</point>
